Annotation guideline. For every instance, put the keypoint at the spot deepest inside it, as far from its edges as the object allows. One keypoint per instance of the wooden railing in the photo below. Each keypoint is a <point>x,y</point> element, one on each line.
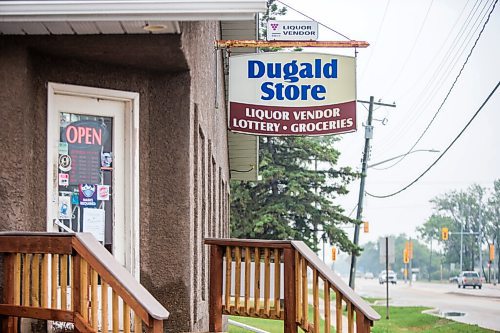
<point>72,278</point>
<point>281,280</point>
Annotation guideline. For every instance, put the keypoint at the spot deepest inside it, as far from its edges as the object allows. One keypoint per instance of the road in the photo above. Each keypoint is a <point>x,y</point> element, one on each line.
<point>481,307</point>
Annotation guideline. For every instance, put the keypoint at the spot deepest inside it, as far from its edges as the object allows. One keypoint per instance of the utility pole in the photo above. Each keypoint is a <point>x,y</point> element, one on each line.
<point>364,168</point>
<point>480,241</point>
<point>387,277</point>
<point>430,263</point>
<point>461,245</point>
<point>411,262</point>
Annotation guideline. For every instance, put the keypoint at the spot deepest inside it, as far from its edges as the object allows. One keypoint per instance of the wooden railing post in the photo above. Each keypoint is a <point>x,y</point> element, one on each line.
<point>363,324</point>
<point>9,324</point>
<point>76,287</point>
<point>290,291</point>
<point>215,297</point>
<point>155,326</point>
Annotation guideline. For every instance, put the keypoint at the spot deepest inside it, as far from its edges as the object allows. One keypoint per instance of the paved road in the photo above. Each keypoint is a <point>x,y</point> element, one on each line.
<point>482,307</point>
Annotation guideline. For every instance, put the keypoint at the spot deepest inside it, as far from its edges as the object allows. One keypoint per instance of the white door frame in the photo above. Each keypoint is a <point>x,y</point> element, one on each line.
<point>131,135</point>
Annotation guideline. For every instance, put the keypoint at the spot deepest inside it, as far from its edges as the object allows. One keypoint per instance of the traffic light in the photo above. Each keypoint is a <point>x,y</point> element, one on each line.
<point>492,252</point>
<point>444,233</point>
<point>366,227</point>
<point>410,250</point>
<point>406,257</point>
<point>334,253</point>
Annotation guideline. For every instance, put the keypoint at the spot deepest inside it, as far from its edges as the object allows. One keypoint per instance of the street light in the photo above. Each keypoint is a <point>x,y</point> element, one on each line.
<point>364,169</point>
<point>395,157</point>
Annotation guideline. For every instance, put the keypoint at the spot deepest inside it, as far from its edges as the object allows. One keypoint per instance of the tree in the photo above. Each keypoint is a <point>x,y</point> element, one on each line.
<point>369,261</point>
<point>471,210</point>
<point>273,10</point>
<point>431,231</point>
<point>293,200</point>
<point>492,214</point>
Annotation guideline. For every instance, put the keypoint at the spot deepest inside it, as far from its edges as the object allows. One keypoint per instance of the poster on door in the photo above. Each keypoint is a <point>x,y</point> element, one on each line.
<point>93,222</point>
<point>103,192</point>
<point>88,195</point>
<point>65,211</point>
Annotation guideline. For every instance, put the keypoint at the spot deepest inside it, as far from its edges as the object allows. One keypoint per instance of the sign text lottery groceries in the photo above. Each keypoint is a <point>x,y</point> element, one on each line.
<point>292,94</point>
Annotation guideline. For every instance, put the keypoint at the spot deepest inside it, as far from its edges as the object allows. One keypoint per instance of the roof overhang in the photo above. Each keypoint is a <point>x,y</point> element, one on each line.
<point>243,148</point>
<point>125,10</point>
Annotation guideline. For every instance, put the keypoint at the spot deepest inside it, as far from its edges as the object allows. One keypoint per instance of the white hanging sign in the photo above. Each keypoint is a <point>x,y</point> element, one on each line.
<point>292,30</point>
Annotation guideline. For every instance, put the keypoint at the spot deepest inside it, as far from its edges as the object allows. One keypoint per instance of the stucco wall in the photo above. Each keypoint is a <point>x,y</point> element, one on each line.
<point>173,83</point>
<point>210,157</point>
<point>20,194</point>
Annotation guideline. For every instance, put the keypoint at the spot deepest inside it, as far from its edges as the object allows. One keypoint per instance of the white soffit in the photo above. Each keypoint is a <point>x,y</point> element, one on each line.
<point>83,17</point>
<point>243,149</point>
<point>126,10</point>
<point>85,27</point>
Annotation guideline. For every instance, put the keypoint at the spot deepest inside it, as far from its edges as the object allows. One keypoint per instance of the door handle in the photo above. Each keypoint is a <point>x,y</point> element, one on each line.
<point>62,225</point>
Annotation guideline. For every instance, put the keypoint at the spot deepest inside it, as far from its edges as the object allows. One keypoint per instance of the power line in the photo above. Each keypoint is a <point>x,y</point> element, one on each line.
<point>376,39</point>
<point>446,70</point>
<point>444,152</point>
<point>449,91</point>
<point>448,52</point>
<point>412,49</point>
<point>309,17</point>
<point>352,211</point>
<point>443,70</point>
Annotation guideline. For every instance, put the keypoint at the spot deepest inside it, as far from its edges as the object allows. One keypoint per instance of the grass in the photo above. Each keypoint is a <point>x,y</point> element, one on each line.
<point>411,319</point>
<point>264,324</point>
<point>372,300</point>
<point>321,293</point>
<point>272,325</point>
<point>402,319</point>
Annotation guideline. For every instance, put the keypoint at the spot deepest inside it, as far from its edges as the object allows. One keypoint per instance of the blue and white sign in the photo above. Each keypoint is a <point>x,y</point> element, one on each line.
<point>88,195</point>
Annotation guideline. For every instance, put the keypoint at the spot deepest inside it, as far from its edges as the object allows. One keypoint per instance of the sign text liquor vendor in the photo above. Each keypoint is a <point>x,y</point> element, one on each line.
<point>292,30</point>
<point>292,94</point>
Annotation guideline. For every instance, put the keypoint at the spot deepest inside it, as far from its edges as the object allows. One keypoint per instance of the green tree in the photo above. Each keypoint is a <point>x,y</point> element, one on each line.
<point>369,261</point>
<point>431,229</point>
<point>459,206</point>
<point>273,10</point>
<point>471,210</point>
<point>430,232</point>
<point>492,217</point>
<point>293,200</point>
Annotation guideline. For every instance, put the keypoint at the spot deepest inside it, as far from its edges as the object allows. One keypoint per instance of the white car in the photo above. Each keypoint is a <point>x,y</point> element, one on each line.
<point>469,278</point>
<point>384,277</point>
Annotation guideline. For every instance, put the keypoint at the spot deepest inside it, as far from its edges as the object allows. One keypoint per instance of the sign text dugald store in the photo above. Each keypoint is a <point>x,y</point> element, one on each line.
<point>292,94</point>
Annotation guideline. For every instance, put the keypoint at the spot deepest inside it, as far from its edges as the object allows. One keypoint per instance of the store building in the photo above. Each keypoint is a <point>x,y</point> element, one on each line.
<point>113,121</point>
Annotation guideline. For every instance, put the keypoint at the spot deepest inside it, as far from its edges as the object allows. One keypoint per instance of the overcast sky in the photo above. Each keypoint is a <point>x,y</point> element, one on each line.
<point>417,49</point>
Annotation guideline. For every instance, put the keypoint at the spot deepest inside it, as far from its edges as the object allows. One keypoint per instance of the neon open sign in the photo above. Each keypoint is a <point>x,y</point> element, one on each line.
<point>86,132</point>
